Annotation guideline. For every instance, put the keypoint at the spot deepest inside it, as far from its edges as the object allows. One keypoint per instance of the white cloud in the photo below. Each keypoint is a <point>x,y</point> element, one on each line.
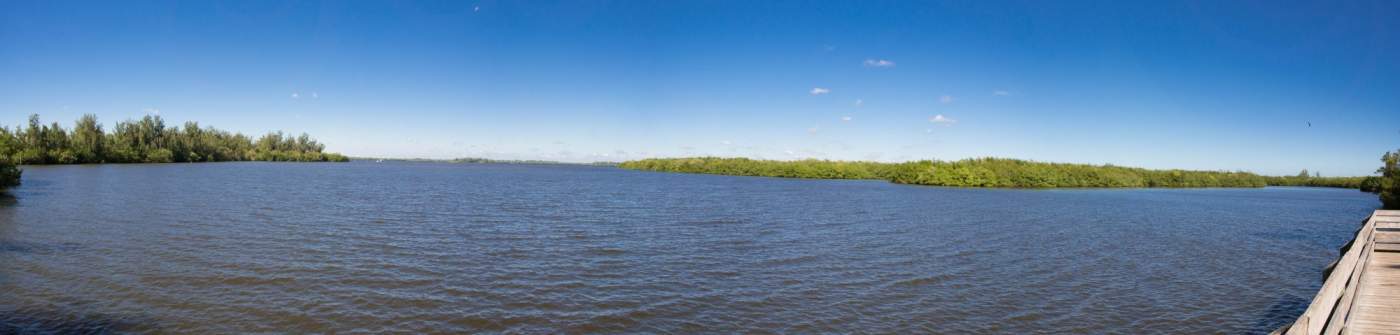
<point>1001,93</point>
<point>820,91</point>
<point>943,120</point>
<point>945,99</point>
<point>296,95</point>
<point>846,118</point>
<point>790,153</point>
<point>860,102</point>
<point>315,96</point>
<point>879,63</point>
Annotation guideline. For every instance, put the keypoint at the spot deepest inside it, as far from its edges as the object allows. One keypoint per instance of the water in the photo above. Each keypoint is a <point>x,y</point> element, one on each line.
<point>365,247</point>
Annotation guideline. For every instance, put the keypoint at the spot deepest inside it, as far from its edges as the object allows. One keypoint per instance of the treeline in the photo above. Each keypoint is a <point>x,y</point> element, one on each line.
<point>1341,182</point>
<point>480,160</point>
<point>149,140</point>
<point>981,172</point>
<point>811,168</point>
<point>1014,173</point>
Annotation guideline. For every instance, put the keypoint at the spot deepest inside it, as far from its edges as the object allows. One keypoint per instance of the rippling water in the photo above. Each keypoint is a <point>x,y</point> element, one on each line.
<point>257,247</point>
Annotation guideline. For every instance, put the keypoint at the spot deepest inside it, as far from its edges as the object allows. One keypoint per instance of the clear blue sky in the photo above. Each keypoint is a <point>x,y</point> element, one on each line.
<point>1198,85</point>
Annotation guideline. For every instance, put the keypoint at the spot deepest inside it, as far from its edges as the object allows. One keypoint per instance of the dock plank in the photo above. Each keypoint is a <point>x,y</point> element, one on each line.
<point>1378,296</point>
<point>1361,294</point>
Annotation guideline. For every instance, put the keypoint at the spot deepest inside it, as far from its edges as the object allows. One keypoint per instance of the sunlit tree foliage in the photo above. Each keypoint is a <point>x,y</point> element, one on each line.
<point>984,172</point>
<point>149,140</point>
<point>1388,185</point>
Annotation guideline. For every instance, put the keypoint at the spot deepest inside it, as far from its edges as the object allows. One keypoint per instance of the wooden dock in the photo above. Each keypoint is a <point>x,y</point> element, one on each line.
<point>1361,294</point>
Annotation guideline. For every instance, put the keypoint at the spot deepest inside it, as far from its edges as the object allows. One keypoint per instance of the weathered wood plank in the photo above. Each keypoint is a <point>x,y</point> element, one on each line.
<point>1341,312</point>
<point>1361,293</point>
<point>1377,301</point>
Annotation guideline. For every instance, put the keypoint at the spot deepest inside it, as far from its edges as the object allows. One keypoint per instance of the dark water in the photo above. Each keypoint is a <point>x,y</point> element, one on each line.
<point>249,247</point>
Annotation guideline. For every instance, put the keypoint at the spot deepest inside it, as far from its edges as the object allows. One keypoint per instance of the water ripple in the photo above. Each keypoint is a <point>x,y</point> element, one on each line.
<point>438,248</point>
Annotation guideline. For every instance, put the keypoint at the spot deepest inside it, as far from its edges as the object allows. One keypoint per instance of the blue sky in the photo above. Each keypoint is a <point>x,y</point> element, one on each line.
<point>1199,85</point>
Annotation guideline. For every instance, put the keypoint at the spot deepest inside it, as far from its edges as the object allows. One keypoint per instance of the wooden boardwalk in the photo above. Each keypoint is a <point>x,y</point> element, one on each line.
<point>1361,294</point>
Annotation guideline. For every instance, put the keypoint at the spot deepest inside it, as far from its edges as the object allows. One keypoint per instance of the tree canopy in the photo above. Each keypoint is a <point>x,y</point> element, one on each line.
<point>9,174</point>
<point>149,140</point>
<point>1388,185</point>
<point>984,172</point>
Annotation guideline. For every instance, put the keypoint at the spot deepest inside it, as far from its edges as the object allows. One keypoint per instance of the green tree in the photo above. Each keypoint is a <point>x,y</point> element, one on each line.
<point>1390,180</point>
<point>148,140</point>
<point>9,174</point>
<point>88,140</point>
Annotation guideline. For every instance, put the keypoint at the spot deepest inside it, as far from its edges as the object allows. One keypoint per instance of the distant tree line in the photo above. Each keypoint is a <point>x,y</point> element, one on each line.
<point>147,140</point>
<point>1317,180</point>
<point>811,168</point>
<point>1014,173</point>
<point>990,172</point>
<point>479,160</point>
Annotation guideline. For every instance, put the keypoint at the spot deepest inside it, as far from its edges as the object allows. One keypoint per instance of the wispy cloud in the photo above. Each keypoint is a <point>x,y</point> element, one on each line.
<point>819,91</point>
<point>315,96</point>
<point>860,102</point>
<point>1001,93</point>
<point>879,63</point>
<point>846,119</point>
<point>726,142</point>
<point>814,129</point>
<point>946,99</point>
<point>942,120</point>
<point>296,95</point>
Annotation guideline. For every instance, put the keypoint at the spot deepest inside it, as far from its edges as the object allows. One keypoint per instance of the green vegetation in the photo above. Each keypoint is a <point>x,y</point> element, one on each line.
<point>1317,180</point>
<point>997,172</point>
<point>149,140</point>
<point>810,168</point>
<point>1388,184</point>
<point>984,172</point>
<point>478,160</point>
<point>9,174</point>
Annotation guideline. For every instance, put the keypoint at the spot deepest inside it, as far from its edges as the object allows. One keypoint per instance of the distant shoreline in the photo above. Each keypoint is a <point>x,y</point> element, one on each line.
<point>991,173</point>
<point>475,160</point>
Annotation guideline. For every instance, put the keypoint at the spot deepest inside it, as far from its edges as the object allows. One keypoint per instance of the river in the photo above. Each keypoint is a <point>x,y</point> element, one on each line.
<point>452,248</point>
